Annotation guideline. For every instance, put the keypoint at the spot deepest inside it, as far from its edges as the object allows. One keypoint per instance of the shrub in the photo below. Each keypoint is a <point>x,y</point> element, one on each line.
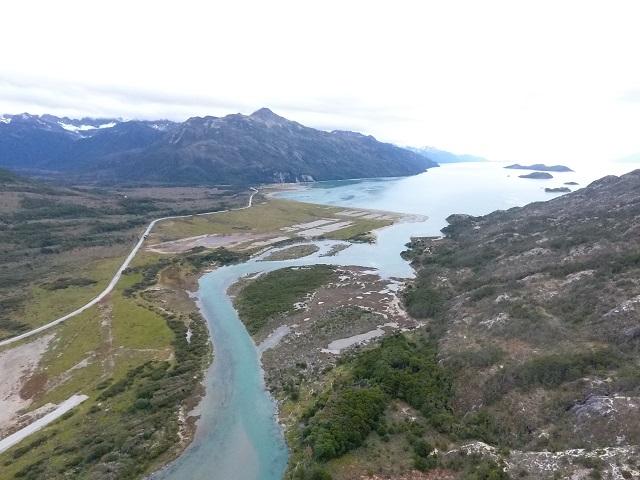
<point>345,421</point>
<point>276,292</point>
<point>552,370</point>
<point>423,301</point>
<point>410,372</point>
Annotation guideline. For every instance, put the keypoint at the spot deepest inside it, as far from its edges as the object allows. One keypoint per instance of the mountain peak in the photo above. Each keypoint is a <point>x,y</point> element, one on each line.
<point>267,116</point>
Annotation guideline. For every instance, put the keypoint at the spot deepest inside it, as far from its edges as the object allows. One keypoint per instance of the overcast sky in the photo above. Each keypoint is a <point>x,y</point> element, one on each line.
<point>511,80</point>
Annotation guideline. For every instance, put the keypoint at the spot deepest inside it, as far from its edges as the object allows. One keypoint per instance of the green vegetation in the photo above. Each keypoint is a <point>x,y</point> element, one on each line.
<point>476,358</point>
<point>296,251</point>
<point>47,300</point>
<point>66,282</point>
<point>137,327</point>
<point>275,293</point>
<point>423,301</point>
<point>345,416</point>
<point>345,421</point>
<point>34,208</point>
<point>535,314</point>
<point>59,245</point>
<point>195,259</point>
<point>552,370</point>
<point>200,257</point>
<point>473,467</point>
<point>410,372</point>
<point>267,217</point>
<point>131,425</point>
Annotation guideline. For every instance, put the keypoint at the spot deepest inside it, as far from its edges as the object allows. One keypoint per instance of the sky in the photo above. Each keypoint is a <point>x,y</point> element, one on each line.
<point>528,81</point>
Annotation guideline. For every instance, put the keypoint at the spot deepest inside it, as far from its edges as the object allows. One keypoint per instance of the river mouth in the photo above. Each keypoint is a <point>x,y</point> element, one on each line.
<point>238,436</point>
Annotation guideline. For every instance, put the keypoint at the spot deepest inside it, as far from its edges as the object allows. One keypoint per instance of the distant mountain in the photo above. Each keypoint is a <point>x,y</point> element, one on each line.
<point>256,148</point>
<point>32,142</point>
<point>442,156</point>
<point>539,167</point>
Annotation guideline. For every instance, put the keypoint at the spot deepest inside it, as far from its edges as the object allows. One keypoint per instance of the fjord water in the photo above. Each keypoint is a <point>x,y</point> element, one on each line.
<point>238,437</point>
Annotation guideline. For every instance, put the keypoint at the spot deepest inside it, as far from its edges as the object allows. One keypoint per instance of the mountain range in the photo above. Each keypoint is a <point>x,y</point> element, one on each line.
<point>236,149</point>
<point>442,156</point>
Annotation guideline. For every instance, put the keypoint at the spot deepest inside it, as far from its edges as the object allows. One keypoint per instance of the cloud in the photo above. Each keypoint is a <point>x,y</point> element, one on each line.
<point>631,96</point>
<point>505,80</point>
<point>40,96</point>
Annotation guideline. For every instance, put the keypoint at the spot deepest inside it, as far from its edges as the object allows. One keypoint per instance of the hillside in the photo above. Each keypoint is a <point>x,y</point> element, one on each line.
<point>239,149</point>
<point>536,314</point>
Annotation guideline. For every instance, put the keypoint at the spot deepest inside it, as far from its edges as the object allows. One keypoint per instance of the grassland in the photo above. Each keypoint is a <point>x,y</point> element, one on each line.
<point>263,217</point>
<point>52,234</point>
<point>132,360</point>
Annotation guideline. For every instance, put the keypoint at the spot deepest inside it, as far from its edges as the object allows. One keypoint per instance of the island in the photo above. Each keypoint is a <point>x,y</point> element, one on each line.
<point>540,167</point>
<point>571,183</point>
<point>557,190</point>
<point>537,175</point>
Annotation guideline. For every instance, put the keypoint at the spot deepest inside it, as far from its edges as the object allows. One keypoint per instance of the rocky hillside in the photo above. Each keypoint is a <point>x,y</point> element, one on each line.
<point>262,147</point>
<point>536,311</point>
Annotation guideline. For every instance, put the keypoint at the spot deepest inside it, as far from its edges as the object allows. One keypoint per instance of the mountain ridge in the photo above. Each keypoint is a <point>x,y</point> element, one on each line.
<point>259,148</point>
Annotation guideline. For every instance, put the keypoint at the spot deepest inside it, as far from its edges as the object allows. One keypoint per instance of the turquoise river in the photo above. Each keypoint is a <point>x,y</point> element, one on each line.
<point>238,436</point>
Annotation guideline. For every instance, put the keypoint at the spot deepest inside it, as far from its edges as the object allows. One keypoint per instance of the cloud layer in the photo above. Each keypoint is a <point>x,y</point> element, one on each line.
<point>522,81</point>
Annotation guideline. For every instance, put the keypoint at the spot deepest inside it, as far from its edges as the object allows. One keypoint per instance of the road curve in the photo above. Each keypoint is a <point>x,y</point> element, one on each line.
<point>118,274</point>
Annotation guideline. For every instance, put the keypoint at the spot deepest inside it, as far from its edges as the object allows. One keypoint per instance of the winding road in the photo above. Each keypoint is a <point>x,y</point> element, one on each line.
<point>118,274</point>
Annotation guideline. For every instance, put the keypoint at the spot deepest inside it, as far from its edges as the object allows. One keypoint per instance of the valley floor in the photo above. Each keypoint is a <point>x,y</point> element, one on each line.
<point>512,354</point>
<point>135,347</point>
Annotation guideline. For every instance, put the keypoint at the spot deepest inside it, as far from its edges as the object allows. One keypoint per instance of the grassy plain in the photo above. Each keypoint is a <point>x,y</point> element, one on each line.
<point>264,217</point>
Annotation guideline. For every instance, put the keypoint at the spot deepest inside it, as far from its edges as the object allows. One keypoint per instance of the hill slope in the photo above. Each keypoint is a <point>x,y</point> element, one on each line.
<point>537,314</point>
<point>262,147</point>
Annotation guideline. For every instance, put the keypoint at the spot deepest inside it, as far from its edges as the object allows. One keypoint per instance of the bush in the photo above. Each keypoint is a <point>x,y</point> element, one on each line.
<point>276,292</point>
<point>552,370</point>
<point>345,421</point>
<point>66,282</point>
<point>410,372</point>
<point>312,472</point>
<point>486,470</point>
<point>423,301</point>
<point>220,255</point>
